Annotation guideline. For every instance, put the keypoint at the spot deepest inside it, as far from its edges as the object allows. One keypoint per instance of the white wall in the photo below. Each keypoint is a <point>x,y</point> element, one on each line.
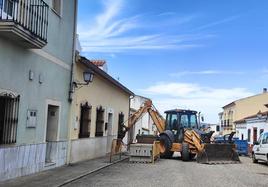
<point>251,124</point>
<point>145,122</point>
<point>89,148</point>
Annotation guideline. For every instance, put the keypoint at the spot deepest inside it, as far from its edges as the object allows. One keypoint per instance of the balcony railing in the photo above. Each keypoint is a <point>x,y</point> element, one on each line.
<point>31,15</point>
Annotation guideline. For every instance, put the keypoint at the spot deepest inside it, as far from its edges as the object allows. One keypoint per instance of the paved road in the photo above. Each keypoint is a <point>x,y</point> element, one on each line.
<point>177,173</point>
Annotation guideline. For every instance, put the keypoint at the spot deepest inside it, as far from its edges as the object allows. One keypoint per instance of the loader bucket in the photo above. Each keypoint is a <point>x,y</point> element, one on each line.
<point>217,153</point>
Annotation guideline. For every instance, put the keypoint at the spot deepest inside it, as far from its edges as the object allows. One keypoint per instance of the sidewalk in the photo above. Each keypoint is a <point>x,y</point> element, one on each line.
<point>62,175</point>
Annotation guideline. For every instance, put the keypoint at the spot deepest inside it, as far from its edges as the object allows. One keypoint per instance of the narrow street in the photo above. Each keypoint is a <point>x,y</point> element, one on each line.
<point>177,173</point>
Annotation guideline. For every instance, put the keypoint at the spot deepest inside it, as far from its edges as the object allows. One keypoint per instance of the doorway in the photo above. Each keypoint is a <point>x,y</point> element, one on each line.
<point>109,132</point>
<point>51,130</point>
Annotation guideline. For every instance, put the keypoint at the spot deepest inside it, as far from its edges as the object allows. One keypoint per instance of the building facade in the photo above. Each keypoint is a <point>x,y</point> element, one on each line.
<point>97,112</point>
<point>251,127</point>
<point>36,42</point>
<point>240,109</point>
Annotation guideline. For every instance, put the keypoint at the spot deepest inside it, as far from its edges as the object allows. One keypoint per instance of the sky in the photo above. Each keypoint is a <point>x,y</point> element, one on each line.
<point>188,54</point>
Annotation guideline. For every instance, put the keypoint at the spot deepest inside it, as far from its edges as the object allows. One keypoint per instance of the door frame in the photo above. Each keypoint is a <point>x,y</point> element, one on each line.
<point>57,104</point>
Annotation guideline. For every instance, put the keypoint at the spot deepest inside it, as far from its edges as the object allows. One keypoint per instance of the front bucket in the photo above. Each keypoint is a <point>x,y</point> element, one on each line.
<point>218,154</point>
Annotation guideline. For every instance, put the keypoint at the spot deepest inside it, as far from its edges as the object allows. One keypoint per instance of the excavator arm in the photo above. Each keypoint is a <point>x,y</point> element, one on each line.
<point>147,107</point>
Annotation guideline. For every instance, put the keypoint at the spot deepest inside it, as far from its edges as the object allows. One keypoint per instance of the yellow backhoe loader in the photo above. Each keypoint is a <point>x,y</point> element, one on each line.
<point>180,132</point>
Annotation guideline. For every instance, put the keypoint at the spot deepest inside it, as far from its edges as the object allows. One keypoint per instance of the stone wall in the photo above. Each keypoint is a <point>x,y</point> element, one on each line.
<point>28,159</point>
<point>21,160</point>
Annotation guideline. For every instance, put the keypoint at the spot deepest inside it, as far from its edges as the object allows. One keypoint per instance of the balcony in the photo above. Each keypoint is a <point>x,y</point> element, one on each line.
<point>25,22</point>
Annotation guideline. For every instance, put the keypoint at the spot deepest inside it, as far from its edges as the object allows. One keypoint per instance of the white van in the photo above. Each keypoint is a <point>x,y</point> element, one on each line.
<point>260,149</point>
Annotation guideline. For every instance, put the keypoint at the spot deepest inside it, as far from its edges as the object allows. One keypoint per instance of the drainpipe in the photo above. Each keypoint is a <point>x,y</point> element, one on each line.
<point>71,89</point>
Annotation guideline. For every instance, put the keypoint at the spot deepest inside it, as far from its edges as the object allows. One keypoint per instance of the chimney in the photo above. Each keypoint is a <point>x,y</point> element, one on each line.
<point>264,90</point>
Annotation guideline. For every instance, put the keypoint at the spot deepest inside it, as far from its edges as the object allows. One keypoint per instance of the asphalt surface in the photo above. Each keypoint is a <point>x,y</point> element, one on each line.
<point>177,173</point>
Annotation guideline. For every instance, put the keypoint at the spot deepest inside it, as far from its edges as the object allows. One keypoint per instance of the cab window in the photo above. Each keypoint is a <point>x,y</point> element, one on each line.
<point>184,120</point>
<point>171,122</point>
<point>265,138</point>
<point>193,121</point>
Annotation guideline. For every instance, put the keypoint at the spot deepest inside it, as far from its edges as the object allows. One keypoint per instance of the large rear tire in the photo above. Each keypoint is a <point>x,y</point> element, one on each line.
<point>185,153</point>
<point>166,145</point>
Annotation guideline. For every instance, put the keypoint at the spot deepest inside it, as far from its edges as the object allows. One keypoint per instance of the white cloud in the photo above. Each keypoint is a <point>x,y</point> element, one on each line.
<point>193,96</point>
<point>205,72</point>
<point>110,33</point>
<point>219,22</point>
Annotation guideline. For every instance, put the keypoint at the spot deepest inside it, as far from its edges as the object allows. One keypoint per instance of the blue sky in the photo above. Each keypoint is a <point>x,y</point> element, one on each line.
<point>181,53</point>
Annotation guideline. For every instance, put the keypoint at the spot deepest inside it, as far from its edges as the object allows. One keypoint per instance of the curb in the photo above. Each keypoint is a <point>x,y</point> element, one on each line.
<point>90,172</point>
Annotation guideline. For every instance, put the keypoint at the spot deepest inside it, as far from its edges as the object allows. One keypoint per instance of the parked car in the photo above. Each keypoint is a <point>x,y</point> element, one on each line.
<point>260,149</point>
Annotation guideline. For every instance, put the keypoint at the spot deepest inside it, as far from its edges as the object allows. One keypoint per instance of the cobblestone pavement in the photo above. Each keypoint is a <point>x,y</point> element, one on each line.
<point>177,173</point>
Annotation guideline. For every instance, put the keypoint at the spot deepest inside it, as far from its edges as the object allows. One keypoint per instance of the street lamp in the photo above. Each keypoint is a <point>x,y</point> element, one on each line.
<point>88,77</point>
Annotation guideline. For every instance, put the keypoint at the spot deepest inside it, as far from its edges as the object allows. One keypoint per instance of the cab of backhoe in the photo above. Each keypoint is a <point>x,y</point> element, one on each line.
<point>178,119</point>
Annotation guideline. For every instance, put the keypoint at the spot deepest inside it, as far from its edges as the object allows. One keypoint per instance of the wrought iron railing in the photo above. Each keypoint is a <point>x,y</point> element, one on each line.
<point>32,15</point>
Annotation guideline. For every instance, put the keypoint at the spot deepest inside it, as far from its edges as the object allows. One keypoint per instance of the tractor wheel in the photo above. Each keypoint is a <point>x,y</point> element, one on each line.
<point>165,144</point>
<point>185,154</point>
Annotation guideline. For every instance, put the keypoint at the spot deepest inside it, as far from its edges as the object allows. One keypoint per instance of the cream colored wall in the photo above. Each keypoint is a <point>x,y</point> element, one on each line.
<point>99,92</point>
<point>244,108</point>
<point>251,106</point>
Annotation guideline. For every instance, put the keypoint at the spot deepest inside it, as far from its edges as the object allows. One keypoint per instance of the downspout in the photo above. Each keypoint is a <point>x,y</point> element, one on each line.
<point>71,89</point>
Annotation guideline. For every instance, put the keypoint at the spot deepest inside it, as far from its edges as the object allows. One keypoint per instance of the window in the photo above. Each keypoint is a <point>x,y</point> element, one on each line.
<point>249,135</point>
<point>184,120</point>
<point>8,118</point>
<point>85,121</point>
<point>171,121</point>
<point>121,124</point>
<point>193,121</point>
<point>265,138</point>
<point>261,131</point>
<point>56,6</point>
<point>99,121</point>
